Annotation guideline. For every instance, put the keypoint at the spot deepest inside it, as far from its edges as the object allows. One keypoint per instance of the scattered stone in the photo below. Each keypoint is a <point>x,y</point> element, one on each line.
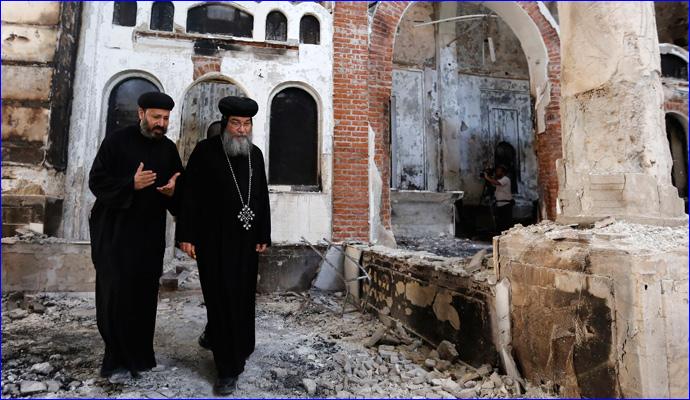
<point>446,350</point>
<point>470,384</point>
<point>17,313</point>
<point>467,394</point>
<point>470,376</point>
<point>281,373</point>
<point>476,261</point>
<point>73,385</point>
<point>433,354</point>
<point>488,385</point>
<point>604,222</point>
<point>485,369</point>
<point>430,363</point>
<point>42,368</point>
<point>30,387</point>
<point>443,365</point>
<point>374,339</point>
<point>310,386</point>
<point>158,368</point>
<point>343,394</point>
<point>496,379</point>
<point>53,386</point>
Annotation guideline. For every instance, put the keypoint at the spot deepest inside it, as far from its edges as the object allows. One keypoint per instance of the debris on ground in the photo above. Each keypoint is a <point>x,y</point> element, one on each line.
<point>445,246</point>
<point>305,348</point>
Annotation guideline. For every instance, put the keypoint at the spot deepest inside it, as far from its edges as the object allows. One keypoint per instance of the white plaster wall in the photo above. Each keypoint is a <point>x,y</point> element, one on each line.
<point>107,52</point>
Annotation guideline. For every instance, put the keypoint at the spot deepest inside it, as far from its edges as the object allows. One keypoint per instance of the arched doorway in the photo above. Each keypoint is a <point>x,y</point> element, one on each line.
<point>200,111</point>
<point>461,103</point>
<point>539,40</point>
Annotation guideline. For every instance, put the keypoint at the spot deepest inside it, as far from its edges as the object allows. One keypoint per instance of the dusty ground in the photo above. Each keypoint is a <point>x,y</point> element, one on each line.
<point>305,348</point>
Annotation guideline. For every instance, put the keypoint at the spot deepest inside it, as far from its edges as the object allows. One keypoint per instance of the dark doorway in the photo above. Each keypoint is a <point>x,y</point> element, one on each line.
<point>677,140</point>
<point>505,155</point>
<point>221,19</point>
<point>293,150</point>
<point>122,103</point>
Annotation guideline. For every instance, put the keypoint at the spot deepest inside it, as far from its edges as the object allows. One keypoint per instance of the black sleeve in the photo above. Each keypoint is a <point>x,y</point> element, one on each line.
<point>264,204</point>
<point>110,186</point>
<point>173,203</point>
<point>187,189</point>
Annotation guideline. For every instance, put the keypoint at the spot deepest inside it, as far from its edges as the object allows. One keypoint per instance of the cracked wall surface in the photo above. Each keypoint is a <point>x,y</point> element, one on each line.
<point>600,311</point>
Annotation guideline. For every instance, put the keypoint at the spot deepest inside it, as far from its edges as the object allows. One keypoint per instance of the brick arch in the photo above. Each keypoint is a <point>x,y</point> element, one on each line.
<point>380,56</point>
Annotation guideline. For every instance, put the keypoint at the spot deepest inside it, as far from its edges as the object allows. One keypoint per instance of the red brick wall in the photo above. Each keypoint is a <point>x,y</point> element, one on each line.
<point>204,65</point>
<point>548,144</point>
<point>350,134</point>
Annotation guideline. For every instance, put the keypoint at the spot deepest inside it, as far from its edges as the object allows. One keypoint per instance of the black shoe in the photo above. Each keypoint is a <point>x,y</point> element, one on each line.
<point>225,386</point>
<point>204,342</point>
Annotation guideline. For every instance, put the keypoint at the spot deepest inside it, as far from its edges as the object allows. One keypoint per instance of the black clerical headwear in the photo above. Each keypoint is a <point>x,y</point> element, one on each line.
<point>237,106</point>
<point>156,100</point>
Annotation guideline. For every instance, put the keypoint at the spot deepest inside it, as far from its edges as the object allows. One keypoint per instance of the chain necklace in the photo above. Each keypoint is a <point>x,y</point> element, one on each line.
<point>246,215</point>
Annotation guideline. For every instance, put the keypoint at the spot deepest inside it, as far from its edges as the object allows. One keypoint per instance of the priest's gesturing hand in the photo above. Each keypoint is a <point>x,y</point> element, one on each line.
<point>143,179</point>
<point>169,189</point>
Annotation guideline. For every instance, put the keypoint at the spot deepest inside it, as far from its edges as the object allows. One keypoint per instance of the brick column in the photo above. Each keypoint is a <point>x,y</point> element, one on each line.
<point>350,134</point>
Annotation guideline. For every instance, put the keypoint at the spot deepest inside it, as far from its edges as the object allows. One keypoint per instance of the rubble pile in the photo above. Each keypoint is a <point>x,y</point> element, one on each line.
<point>307,346</point>
<point>443,245</point>
<point>26,235</point>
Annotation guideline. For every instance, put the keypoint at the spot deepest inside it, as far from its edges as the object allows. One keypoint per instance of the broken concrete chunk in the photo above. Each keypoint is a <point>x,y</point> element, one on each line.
<point>430,363</point>
<point>42,368</point>
<point>310,386</point>
<point>374,339</point>
<point>446,350</point>
<point>476,261</point>
<point>443,365</point>
<point>488,385</point>
<point>433,354</point>
<point>604,222</point>
<point>53,386</point>
<point>30,387</point>
<point>485,369</point>
<point>17,313</point>
<point>496,379</point>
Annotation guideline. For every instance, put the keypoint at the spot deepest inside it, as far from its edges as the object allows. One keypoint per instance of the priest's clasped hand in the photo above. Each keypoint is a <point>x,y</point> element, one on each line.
<point>169,189</point>
<point>143,179</point>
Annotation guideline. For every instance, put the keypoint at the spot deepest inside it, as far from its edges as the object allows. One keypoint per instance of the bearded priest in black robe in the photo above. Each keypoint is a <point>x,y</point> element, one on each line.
<point>133,178</point>
<point>225,222</point>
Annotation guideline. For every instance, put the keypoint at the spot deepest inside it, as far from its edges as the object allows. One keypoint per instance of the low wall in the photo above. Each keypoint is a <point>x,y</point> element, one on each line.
<point>601,312</point>
<point>438,298</point>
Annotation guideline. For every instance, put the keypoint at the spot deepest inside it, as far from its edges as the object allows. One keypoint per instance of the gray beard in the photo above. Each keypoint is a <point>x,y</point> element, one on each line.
<point>144,129</point>
<point>236,145</point>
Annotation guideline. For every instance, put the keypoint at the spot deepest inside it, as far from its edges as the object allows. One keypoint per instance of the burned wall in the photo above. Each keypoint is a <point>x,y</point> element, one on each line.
<point>437,298</point>
<point>39,42</point>
<point>599,311</point>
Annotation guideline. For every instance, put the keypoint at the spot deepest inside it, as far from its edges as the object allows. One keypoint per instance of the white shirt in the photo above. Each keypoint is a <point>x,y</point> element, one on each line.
<point>503,194</point>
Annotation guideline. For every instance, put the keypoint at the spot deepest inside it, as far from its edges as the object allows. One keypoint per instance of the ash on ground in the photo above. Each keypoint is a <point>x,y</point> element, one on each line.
<point>305,348</point>
<point>443,245</point>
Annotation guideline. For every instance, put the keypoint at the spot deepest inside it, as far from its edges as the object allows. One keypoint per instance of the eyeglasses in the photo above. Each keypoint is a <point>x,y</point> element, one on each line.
<point>237,124</point>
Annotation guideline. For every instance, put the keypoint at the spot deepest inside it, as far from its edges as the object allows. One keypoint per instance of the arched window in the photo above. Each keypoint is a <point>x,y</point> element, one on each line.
<point>673,66</point>
<point>309,30</point>
<point>162,13</point>
<point>293,151</point>
<point>276,26</point>
<point>220,19</point>
<point>675,132</point>
<point>122,103</point>
<point>125,13</point>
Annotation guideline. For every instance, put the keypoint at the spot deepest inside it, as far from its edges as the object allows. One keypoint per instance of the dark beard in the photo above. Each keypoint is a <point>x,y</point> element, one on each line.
<point>156,133</point>
<point>236,145</point>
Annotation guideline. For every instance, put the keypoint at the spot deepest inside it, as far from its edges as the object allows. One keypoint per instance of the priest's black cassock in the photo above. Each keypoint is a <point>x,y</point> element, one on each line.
<point>225,251</point>
<point>128,242</point>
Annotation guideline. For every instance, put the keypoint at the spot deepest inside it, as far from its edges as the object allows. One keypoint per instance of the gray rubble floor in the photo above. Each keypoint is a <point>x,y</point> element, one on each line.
<point>51,348</point>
